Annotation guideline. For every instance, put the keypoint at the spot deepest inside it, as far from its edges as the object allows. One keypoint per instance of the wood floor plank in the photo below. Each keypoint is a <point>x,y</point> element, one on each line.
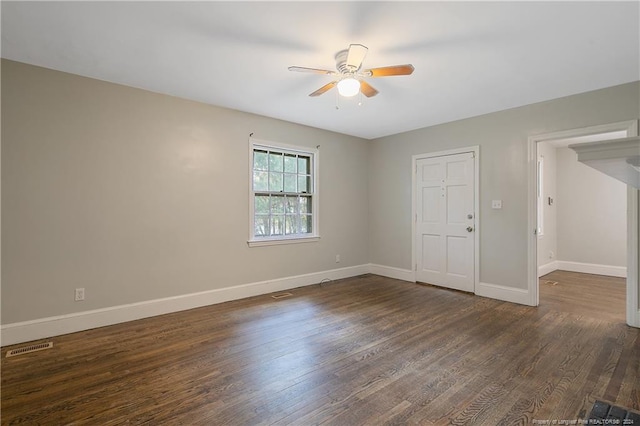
<point>584,293</point>
<point>362,351</point>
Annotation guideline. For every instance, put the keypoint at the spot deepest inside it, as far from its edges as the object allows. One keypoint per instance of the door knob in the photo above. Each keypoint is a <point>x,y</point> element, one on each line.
<point>469,229</point>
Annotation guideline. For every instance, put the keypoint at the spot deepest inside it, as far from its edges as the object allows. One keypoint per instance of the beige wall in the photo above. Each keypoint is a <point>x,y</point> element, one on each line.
<point>136,196</point>
<point>502,138</point>
<point>592,214</point>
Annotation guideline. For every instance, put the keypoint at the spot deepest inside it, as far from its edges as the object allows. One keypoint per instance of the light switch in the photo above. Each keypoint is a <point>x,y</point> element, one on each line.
<point>496,204</point>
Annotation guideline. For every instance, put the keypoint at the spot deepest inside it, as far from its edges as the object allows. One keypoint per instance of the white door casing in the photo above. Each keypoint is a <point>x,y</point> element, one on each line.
<point>445,221</point>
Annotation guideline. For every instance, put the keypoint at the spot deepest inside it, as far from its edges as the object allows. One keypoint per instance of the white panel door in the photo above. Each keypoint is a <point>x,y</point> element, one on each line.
<point>445,218</point>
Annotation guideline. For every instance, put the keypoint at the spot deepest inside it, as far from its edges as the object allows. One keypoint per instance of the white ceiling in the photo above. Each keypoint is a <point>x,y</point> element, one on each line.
<point>471,58</point>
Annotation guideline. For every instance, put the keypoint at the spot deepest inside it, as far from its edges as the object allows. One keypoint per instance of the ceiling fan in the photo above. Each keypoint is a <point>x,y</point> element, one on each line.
<point>350,79</point>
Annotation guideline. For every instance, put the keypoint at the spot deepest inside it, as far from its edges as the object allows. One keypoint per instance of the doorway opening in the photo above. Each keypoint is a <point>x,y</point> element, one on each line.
<point>589,246</point>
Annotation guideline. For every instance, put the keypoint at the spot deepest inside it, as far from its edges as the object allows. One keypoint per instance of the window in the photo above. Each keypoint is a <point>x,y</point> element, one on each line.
<point>283,199</point>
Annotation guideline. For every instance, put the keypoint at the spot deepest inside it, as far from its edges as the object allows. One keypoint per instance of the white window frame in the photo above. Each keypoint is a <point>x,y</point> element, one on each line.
<point>315,197</point>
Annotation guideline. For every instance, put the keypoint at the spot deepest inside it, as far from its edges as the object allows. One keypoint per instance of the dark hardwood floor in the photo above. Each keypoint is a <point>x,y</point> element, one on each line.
<point>362,351</point>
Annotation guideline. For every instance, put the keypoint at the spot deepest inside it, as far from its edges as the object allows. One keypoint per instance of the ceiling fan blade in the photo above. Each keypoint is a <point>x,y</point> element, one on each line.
<point>389,71</point>
<point>356,55</point>
<point>324,88</point>
<point>312,70</point>
<point>367,89</point>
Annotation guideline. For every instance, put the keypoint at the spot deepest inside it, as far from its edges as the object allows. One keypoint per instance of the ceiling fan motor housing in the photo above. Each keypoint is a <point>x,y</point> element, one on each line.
<point>341,63</point>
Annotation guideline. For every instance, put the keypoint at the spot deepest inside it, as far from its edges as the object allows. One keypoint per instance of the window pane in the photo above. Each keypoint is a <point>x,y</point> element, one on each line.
<point>303,184</point>
<point>290,163</point>
<point>305,224</point>
<point>260,181</point>
<point>282,183</point>
<point>261,204</point>
<point>304,166</point>
<point>291,225</point>
<point>275,162</point>
<point>290,184</point>
<point>261,226</point>
<point>292,205</point>
<point>260,160</point>
<point>277,205</point>
<point>275,182</point>
<point>305,205</point>
<point>277,225</point>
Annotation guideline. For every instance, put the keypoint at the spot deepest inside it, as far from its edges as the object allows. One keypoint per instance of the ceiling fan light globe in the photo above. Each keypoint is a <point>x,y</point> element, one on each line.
<point>348,87</point>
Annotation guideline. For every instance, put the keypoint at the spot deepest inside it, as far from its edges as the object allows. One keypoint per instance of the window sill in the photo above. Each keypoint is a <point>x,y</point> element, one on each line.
<point>273,242</point>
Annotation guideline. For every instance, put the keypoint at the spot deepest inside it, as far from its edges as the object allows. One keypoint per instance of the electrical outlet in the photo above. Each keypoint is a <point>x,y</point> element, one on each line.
<point>337,258</point>
<point>79,296</point>
<point>551,254</point>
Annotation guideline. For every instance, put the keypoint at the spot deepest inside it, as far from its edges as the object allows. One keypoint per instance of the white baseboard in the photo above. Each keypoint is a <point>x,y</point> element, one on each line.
<point>547,268</point>
<point>391,272</point>
<point>592,268</point>
<point>493,291</point>
<point>500,292</point>
<point>63,324</point>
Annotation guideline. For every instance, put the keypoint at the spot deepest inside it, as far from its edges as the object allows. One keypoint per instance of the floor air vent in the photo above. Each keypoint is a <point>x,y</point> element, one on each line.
<point>29,349</point>
<point>281,295</point>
